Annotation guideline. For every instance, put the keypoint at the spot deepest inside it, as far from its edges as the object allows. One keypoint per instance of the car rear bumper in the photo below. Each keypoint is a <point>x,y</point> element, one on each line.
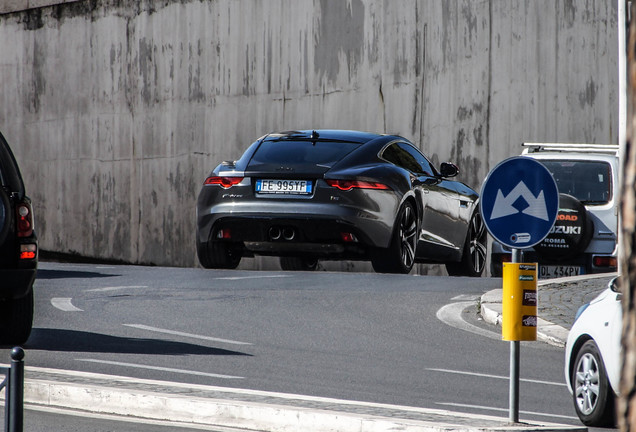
<point>585,261</point>
<point>285,235</point>
<point>311,222</point>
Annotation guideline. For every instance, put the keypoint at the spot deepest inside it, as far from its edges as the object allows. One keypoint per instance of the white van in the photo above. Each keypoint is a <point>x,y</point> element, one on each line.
<point>584,237</point>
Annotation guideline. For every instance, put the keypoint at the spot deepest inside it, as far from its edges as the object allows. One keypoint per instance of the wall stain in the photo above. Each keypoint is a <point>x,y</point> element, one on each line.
<point>37,86</point>
<point>341,31</point>
<point>469,165</point>
<point>588,96</point>
<point>148,70</point>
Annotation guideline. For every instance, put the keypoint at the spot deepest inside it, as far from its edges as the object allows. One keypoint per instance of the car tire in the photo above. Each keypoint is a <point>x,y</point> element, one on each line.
<point>16,320</point>
<point>219,255</point>
<point>593,397</point>
<point>298,264</point>
<point>474,252</point>
<point>399,257</point>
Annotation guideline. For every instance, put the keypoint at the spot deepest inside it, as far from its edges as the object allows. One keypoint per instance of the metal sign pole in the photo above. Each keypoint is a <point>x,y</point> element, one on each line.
<point>515,346</point>
<point>519,205</point>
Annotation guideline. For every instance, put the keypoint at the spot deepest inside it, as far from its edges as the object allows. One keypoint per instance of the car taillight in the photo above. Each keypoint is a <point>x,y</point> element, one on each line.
<point>224,182</point>
<point>28,251</point>
<point>605,261</point>
<point>24,220</point>
<point>346,185</point>
<point>505,258</point>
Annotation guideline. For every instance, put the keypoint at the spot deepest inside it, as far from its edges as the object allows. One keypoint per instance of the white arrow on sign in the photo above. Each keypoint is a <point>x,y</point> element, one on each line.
<point>504,204</point>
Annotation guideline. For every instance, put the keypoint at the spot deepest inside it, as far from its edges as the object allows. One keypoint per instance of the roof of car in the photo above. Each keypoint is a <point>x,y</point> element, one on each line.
<point>328,134</point>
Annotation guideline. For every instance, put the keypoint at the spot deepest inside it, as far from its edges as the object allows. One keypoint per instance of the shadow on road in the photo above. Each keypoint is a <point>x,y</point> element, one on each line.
<point>70,274</point>
<point>79,341</point>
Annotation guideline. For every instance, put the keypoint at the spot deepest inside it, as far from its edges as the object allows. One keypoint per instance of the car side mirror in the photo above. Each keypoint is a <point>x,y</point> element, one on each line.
<point>448,169</point>
<point>614,285</point>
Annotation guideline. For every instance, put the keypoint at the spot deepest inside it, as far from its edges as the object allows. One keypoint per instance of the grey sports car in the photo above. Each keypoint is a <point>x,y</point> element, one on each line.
<point>314,195</point>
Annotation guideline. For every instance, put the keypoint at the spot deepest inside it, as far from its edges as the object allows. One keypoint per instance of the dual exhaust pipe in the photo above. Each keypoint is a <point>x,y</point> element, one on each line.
<point>282,233</point>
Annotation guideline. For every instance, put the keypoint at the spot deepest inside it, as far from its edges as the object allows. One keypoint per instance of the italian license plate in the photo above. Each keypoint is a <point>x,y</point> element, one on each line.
<point>551,271</point>
<point>292,187</point>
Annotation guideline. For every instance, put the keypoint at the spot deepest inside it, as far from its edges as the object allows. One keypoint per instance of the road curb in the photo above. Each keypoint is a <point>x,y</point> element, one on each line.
<point>553,334</point>
<point>191,404</point>
<point>491,312</point>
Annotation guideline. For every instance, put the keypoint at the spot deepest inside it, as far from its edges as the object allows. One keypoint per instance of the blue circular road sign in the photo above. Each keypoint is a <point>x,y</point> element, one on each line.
<point>519,202</point>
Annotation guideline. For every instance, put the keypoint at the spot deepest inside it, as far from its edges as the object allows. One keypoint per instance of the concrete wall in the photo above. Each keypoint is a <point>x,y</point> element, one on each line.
<point>117,112</point>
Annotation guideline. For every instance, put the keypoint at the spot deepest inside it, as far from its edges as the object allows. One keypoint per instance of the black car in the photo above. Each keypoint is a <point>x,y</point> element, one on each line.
<point>18,252</point>
<point>314,195</point>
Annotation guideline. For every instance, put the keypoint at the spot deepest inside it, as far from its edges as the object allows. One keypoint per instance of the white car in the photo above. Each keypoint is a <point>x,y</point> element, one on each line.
<point>592,358</point>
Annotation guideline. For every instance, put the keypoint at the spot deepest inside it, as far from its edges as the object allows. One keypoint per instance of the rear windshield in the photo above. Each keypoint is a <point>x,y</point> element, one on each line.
<point>588,181</point>
<point>323,153</point>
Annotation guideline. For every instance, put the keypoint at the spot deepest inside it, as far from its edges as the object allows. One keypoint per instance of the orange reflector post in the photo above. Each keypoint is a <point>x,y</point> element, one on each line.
<point>519,320</point>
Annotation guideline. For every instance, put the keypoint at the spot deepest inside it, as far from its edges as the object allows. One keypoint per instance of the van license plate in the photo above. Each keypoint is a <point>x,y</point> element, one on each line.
<point>550,272</point>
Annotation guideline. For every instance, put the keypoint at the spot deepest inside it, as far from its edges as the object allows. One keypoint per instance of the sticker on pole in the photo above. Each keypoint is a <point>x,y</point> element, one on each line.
<point>519,302</point>
<point>519,202</point>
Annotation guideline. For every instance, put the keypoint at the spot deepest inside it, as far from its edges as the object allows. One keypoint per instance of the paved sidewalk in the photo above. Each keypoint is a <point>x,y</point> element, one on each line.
<point>192,405</point>
<point>558,302</point>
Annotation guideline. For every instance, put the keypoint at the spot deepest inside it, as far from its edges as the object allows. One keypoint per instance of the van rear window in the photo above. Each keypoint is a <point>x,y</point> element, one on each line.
<point>588,181</point>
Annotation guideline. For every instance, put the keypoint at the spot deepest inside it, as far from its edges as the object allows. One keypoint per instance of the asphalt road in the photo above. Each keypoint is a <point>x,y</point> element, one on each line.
<point>366,337</point>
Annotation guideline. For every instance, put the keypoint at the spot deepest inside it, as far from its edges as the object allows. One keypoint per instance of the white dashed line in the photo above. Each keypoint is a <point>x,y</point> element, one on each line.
<point>189,335</point>
<point>233,278</point>
<point>115,288</point>
<point>501,377</point>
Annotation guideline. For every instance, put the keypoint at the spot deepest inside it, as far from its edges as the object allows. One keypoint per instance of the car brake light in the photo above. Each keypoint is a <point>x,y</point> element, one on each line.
<point>346,185</point>
<point>224,182</point>
<point>505,258</point>
<point>28,251</point>
<point>24,220</point>
<point>348,237</point>
<point>605,261</point>
<point>224,234</point>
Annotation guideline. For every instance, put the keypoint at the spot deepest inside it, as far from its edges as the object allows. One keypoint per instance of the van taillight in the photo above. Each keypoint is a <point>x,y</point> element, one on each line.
<point>24,219</point>
<point>28,251</point>
<point>605,261</point>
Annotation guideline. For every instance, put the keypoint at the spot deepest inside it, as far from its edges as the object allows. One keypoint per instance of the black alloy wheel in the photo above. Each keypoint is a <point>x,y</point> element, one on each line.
<point>475,250</point>
<point>400,255</point>
<point>593,396</point>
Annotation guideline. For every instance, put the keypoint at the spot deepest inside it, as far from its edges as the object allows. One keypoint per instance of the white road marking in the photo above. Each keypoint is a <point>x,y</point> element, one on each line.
<point>159,368</point>
<point>190,335</point>
<point>451,314</point>
<point>496,376</point>
<point>232,278</point>
<point>115,288</point>
<point>506,410</point>
<point>64,304</point>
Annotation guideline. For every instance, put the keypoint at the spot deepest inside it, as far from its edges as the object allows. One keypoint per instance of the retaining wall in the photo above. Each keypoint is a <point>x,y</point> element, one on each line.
<point>117,112</point>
